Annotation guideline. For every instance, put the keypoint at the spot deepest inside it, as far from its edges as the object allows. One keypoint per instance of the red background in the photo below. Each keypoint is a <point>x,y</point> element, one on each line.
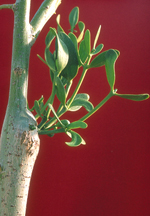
<point>110,176</point>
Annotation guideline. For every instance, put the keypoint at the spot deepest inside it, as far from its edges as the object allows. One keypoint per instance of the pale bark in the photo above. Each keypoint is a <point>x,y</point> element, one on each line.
<point>19,145</point>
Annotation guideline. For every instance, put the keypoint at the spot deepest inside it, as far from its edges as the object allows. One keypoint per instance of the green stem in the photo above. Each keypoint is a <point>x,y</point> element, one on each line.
<point>50,132</point>
<point>97,107</point>
<point>54,119</point>
<point>46,10</point>
<point>77,87</point>
<point>68,86</point>
<point>6,6</point>
<point>85,68</point>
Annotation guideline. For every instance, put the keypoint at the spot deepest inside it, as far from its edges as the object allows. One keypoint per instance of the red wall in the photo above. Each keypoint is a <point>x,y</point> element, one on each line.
<point>110,176</point>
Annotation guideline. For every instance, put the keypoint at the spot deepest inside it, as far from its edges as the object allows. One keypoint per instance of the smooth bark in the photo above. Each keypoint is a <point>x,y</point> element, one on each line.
<point>19,145</point>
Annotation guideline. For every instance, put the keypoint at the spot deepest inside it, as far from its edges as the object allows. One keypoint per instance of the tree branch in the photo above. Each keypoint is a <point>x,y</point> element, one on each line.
<point>45,11</point>
<point>7,6</point>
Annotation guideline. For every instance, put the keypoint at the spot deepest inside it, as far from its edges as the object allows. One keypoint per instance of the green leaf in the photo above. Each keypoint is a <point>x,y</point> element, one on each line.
<point>98,61</point>
<point>107,58</point>
<point>76,139</point>
<point>97,50</point>
<point>85,47</point>
<point>78,103</point>
<point>50,36</point>
<point>111,57</point>
<point>71,69</point>
<point>50,59</point>
<point>60,90</point>
<point>74,40</point>
<point>64,122</point>
<point>48,55</point>
<point>74,17</point>
<point>134,97</point>
<point>82,96</point>
<point>62,54</point>
<point>82,28</point>
<point>59,28</point>
<point>77,124</point>
<point>96,37</point>
<point>87,40</point>
<point>117,51</point>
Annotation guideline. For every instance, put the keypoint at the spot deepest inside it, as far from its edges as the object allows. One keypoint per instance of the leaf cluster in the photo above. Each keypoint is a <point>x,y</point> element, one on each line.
<point>73,51</point>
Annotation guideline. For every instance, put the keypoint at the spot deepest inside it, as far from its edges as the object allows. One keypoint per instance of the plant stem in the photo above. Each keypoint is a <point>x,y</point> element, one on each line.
<point>19,146</point>
<point>51,132</point>
<point>77,87</point>
<point>85,68</point>
<point>46,10</point>
<point>6,6</point>
<point>97,107</point>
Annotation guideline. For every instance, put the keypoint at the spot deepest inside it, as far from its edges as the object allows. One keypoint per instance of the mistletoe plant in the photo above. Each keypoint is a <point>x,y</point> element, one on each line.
<point>71,53</point>
<point>20,142</point>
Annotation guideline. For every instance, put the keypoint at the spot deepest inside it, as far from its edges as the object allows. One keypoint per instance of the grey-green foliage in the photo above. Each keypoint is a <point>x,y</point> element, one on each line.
<point>73,51</point>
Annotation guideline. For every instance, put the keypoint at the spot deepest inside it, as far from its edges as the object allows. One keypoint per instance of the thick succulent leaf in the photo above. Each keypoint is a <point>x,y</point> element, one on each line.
<point>64,122</point>
<point>71,69</point>
<point>117,51</point>
<point>50,36</point>
<point>78,103</point>
<point>111,57</point>
<point>74,17</point>
<point>99,60</point>
<point>50,59</point>
<point>107,58</point>
<point>85,47</point>
<point>60,90</point>
<point>77,124</point>
<point>74,40</point>
<point>134,97</point>
<point>97,50</point>
<point>48,55</point>
<point>74,108</point>
<point>81,26</point>
<point>82,96</point>
<point>87,40</point>
<point>96,37</point>
<point>62,54</point>
<point>82,52</point>
<point>76,139</point>
<point>59,28</point>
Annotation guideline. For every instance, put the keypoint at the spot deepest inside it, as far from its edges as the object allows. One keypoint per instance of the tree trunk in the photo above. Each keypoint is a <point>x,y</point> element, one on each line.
<point>19,145</point>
